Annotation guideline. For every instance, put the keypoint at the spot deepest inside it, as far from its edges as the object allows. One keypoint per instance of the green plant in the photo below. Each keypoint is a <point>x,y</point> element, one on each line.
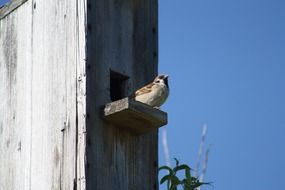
<point>188,183</point>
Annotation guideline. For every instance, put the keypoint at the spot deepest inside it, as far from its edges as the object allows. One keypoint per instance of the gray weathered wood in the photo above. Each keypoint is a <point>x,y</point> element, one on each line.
<point>122,36</point>
<point>41,56</point>
<point>55,62</point>
<point>135,116</point>
<point>81,95</point>
<point>9,7</point>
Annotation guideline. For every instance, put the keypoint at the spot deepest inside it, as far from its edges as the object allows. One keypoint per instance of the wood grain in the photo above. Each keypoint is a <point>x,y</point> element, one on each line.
<point>135,116</point>
<point>55,62</point>
<point>121,37</point>
<point>39,111</point>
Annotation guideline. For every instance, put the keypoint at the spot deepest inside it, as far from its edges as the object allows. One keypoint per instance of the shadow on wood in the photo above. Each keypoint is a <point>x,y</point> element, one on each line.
<point>137,117</point>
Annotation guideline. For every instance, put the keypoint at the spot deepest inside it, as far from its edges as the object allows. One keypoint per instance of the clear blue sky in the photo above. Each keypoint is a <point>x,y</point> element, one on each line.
<point>226,61</point>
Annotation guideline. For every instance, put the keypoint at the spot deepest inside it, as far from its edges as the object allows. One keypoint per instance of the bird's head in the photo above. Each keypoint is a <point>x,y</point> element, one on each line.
<point>161,79</point>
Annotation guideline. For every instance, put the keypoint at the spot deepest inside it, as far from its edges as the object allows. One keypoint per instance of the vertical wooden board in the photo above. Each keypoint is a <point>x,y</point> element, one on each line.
<point>120,37</point>
<point>81,95</point>
<point>23,94</point>
<point>38,85</point>
<point>15,95</point>
<point>54,84</point>
<point>48,96</point>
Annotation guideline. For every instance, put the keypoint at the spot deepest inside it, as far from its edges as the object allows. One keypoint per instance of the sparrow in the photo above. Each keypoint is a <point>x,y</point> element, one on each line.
<point>155,93</point>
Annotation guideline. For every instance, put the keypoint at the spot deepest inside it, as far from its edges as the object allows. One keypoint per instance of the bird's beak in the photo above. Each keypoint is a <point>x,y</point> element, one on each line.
<point>165,76</point>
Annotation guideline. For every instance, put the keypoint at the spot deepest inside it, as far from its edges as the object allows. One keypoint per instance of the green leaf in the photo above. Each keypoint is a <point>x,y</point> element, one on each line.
<point>188,183</point>
<point>194,179</point>
<point>166,177</point>
<point>188,187</point>
<point>174,183</point>
<point>175,180</point>
<point>187,173</point>
<point>181,167</point>
<point>170,171</point>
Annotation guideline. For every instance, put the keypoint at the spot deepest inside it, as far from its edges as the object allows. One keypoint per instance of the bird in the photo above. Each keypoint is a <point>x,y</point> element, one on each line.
<point>155,93</point>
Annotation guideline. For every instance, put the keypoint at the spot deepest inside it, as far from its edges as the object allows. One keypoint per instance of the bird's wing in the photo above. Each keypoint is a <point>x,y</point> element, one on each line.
<point>144,90</point>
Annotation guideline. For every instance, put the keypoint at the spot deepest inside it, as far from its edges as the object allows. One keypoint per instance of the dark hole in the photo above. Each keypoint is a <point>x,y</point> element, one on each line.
<point>117,85</point>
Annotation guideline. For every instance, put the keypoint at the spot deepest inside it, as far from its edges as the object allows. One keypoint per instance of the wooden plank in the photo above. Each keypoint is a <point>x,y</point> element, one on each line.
<point>9,7</point>
<point>135,116</point>
<point>41,51</point>
<point>81,95</point>
<point>54,103</point>
<point>120,38</point>
<point>15,112</point>
<point>51,134</point>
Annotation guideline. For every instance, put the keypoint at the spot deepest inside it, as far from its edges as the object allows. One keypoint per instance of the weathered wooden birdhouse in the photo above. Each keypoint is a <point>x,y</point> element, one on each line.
<point>66,68</point>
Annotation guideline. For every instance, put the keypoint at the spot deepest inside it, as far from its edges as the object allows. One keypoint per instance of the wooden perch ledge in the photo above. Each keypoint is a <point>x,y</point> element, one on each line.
<point>136,116</point>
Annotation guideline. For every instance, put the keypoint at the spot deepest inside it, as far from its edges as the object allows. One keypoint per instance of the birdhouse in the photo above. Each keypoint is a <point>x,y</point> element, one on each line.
<point>66,68</point>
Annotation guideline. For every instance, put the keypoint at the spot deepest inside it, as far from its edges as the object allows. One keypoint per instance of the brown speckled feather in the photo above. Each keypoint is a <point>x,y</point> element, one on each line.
<point>144,90</point>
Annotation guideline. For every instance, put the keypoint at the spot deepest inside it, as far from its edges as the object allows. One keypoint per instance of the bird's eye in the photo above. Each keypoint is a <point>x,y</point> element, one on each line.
<point>157,81</point>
